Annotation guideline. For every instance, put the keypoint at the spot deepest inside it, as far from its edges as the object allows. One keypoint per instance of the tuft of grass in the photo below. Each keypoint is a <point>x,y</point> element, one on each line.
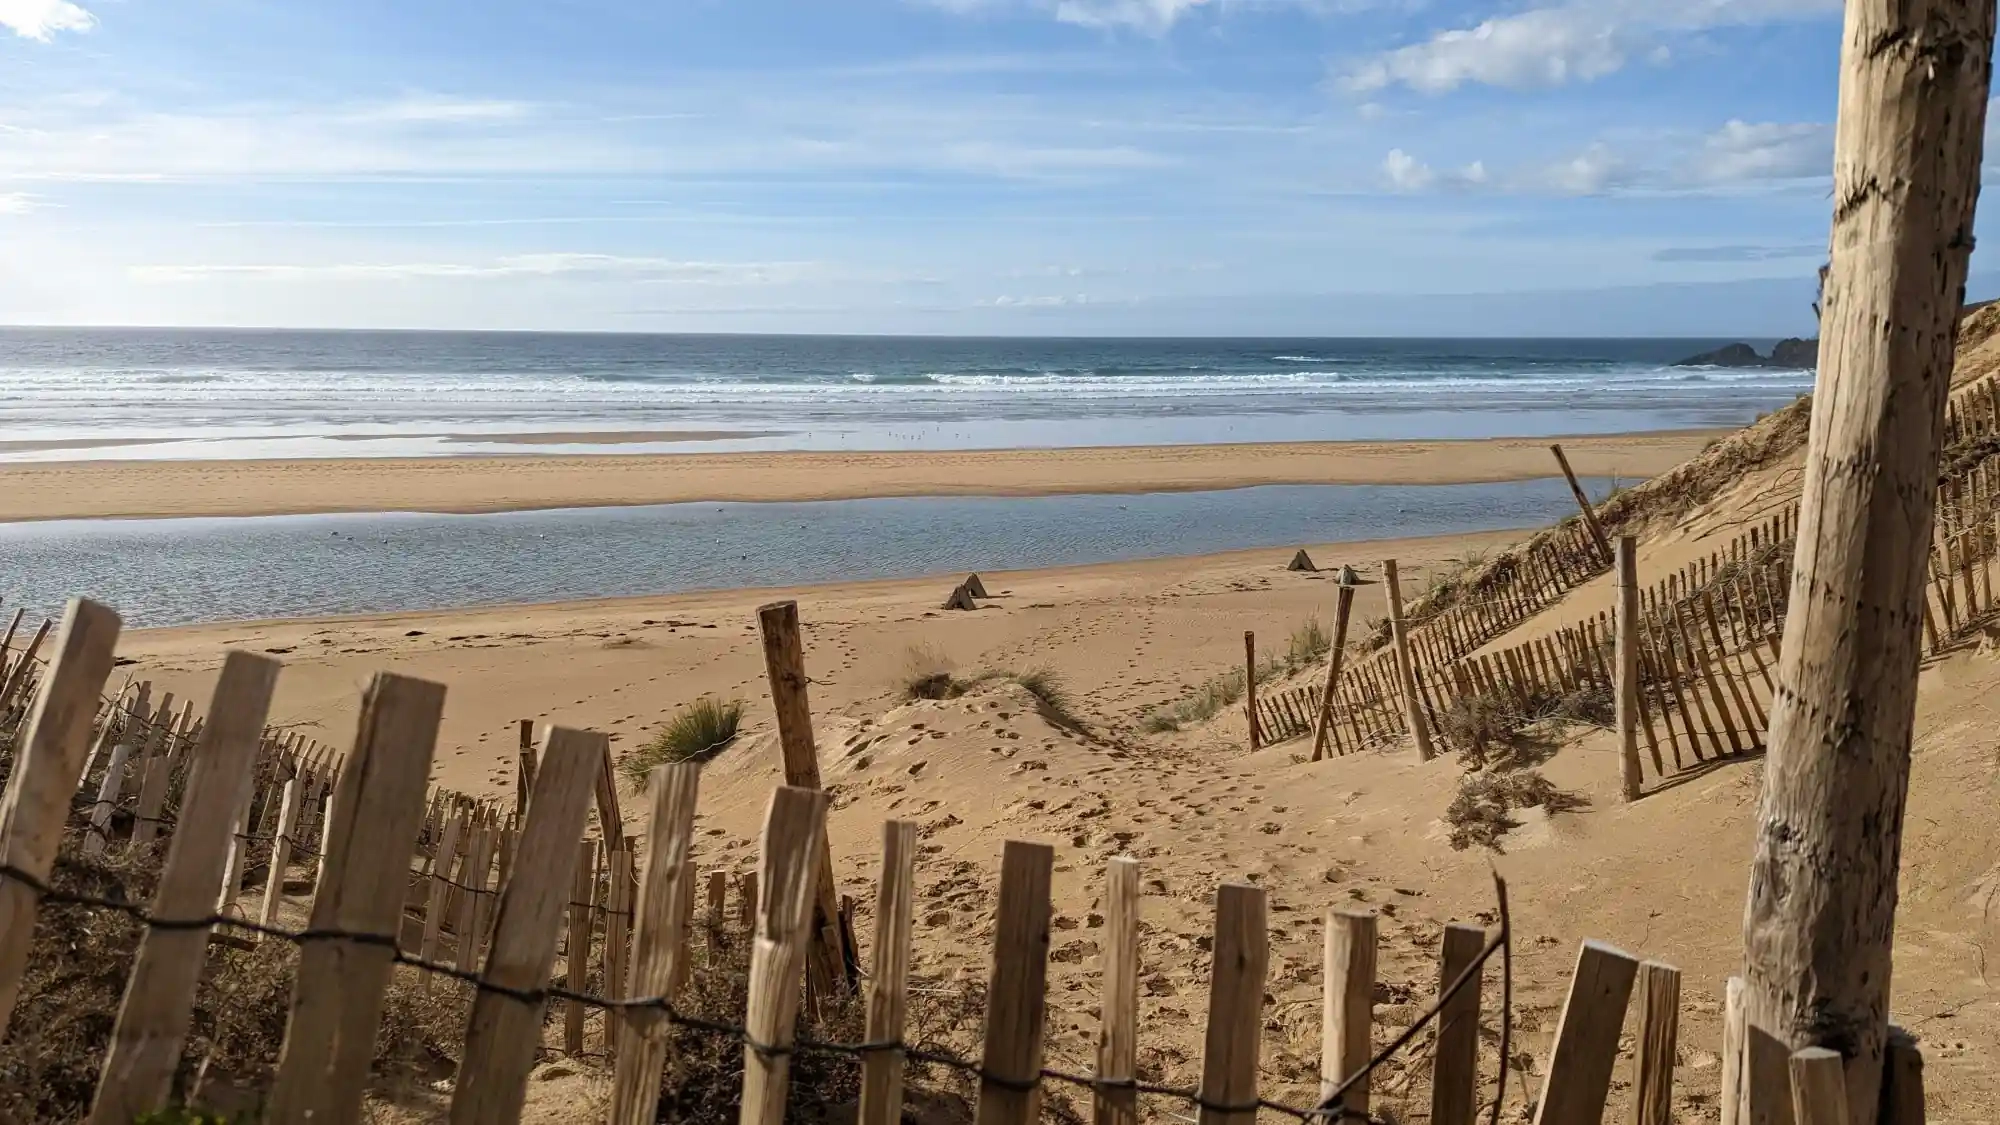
<point>1309,642</point>
<point>1211,697</point>
<point>1480,816</point>
<point>1048,687</point>
<point>927,674</point>
<point>696,733</point>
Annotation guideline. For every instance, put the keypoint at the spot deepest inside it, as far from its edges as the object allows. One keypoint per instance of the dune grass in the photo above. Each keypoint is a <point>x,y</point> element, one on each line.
<point>696,733</point>
<point>1308,643</point>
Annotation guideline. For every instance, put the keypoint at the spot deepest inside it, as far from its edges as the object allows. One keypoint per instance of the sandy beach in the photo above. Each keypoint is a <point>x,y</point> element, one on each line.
<point>96,489</point>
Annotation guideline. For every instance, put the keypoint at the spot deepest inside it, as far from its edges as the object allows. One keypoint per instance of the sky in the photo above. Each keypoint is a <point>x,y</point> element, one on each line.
<point>1042,167</point>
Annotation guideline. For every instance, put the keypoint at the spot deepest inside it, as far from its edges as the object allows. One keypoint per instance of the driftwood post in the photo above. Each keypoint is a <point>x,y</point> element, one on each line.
<point>1250,688</point>
<point>1583,502</point>
<point>1627,669</point>
<point>1820,916</point>
<point>785,666</point>
<point>1406,670</point>
<point>1343,610</point>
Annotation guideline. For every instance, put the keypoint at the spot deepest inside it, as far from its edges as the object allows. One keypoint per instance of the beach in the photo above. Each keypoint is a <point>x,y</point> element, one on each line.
<point>111,488</point>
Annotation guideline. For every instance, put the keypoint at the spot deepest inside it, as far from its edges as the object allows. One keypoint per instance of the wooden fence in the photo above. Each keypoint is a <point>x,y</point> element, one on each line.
<point>1708,634</point>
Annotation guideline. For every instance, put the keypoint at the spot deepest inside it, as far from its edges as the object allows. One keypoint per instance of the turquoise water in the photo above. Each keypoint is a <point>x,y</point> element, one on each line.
<point>174,571</point>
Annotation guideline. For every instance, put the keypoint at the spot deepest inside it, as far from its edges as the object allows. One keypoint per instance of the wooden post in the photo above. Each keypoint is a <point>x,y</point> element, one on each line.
<point>441,871</point>
<point>48,751</point>
<point>1578,1075</point>
<point>785,666</point>
<point>1583,503</point>
<point>578,960</point>
<point>1347,1009</point>
<point>17,678</point>
<point>524,768</point>
<point>1820,919</point>
<point>1627,670</point>
<point>112,787</point>
<point>472,877</point>
<point>153,1018</point>
<point>1343,610</point>
<point>888,977</point>
<point>1406,676</point>
<point>617,934</point>
<point>1455,1065</point>
<point>1118,1015</point>
<point>1250,689</point>
<point>281,856</point>
<point>794,842</point>
<point>1903,1080</point>
<point>337,1004</point>
<point>1659,1027</point>
<point>503,1032</point>
<point>1819,1087</point>
<point>1733,1039</point>
<point>1017,997</point>
<point>660,944</point>
<point>1235,1007</point>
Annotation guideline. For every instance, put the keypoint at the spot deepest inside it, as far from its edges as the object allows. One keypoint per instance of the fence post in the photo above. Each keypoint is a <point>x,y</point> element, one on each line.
<point>794,842</point>
<point>1118,1015</point>
<point>1627,670</point>
<point>113,785</point>
<point>524,768</point>
<point>1819,1087</point>
<point>153,1018</point>
<point>1455,1069</point>
<point>503,1031</point>
<point>1821,907</point>
<point>1235,1007</point>
<point>577,971</point>
<point>281,855</point>
<point>1406,669</point>
<point>48,751</point>
<point>785,667</point>
<point>1250,689</point>
<point>1902,1080</point>
<point>25,667</point>
<point>441,880</point>
<point>1343,609</point>
<point>1734,1035</point>
<point>888,978</point>
<point>371,831</point>
<point>1347,1009</point>
<point>660,945</point>
<point>1016,1000</point>
<point>1583,502</point>
<point>1586,1044</point>
<point>1659,1020</point>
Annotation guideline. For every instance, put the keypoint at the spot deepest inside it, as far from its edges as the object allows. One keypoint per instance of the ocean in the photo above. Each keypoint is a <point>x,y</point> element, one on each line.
<point>147,393</point>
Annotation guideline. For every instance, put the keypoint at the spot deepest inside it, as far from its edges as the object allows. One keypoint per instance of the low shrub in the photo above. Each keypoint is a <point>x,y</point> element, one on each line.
<point>696,733</point>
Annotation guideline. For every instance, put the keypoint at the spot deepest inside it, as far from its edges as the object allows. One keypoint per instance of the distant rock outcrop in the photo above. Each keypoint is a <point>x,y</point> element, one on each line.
<point>1793,354</point>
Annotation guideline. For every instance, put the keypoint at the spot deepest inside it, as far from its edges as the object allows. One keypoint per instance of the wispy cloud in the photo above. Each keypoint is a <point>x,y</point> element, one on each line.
<point>1570,43</point>
<point>1737,253</point>
<point>18,203</point>
<point>1743,152</point>
<point>642,269</point>
<point>41,19</point>
<point>1405,173</point>
<point>1149,17</point>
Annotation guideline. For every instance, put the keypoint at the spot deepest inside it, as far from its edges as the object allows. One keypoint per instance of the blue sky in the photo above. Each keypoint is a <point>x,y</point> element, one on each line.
<point>959,166</point>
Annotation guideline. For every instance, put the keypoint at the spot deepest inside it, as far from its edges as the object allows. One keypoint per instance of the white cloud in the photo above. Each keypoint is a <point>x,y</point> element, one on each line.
<point>1553,46</point>
<point>1741,152</point>
<point>1406,172</point>
<point>1151,16</point>
<point>18,203</point>
<point>657,270</point>
<point>1591,172</point>
<point>41,19</point>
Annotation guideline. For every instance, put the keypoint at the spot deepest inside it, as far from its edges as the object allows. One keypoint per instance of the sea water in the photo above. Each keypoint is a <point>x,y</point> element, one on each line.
<point>173,571</point>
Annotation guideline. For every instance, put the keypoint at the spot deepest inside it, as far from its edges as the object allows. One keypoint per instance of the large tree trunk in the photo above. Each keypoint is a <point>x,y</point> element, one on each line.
<point>1822,905</point>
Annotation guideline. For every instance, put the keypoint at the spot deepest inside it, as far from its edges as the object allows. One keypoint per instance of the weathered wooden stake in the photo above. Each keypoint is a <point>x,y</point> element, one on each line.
<point>1235,1007</point>
<point>1250,689</point>
<point>1406,675</point>
<point>1820,917</point>
<point>794,841</point>
<point>1017,995</point>
<point>1626,673</point>
<point>1583,503</point>
<point>1343,610</point>
<point>888,978</point>
<point>827,960</point>
<point>1118,1015</point>
<point>1347,1008</point>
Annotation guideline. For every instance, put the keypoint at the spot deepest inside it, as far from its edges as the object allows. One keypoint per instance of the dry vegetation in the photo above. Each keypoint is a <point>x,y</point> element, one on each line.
<point>1308,643</point>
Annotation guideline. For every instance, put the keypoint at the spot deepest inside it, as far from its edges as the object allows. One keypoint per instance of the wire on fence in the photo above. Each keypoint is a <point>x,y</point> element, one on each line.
<point>1328,1109</point>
